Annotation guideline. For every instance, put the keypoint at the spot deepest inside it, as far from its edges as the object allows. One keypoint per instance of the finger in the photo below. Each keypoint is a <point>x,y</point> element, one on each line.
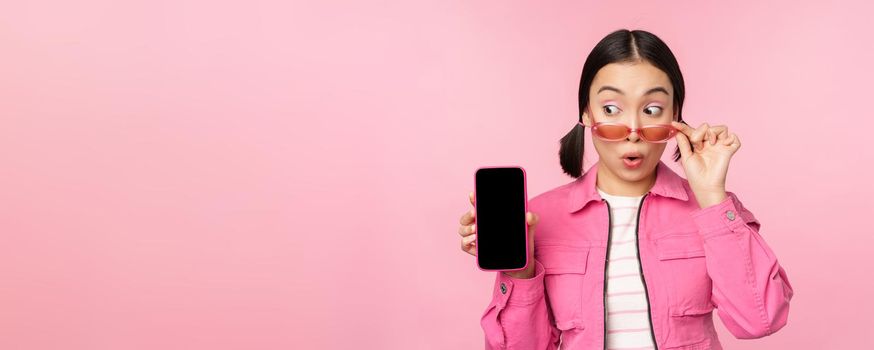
<point>466,230</point>
<point>683,128</point>
<point>715,132</point>
<point>469,247</point>
<point>472,198</point>
<point>721,132</point>
<point>719,128</point>
<point>684,145</point>
<point>726,138</point>
<point>469,217</point>
<point>698,135</point>
<point>468,240</point>
<point>735,141</point>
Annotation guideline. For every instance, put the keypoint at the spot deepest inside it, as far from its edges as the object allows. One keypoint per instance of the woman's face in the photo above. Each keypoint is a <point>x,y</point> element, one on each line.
<point>634,94</point>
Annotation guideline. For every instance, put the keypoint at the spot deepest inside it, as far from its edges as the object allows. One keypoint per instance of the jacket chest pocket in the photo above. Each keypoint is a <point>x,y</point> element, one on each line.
<point>682,258</point>
<point>565,272</point>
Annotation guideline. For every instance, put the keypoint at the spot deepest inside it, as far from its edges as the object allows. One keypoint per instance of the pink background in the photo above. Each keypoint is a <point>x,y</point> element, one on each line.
<point>266,175</point>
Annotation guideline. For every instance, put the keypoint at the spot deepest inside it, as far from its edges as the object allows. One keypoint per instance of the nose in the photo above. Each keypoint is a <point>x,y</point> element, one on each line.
<point>633,136</point>
<point>635,124</point>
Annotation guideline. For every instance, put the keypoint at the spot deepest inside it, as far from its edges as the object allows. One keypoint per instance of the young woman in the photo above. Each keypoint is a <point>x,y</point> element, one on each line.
<point>630,255</point>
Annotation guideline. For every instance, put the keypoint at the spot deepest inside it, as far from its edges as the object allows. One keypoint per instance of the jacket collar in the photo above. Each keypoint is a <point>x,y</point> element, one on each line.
<point>584,189</point>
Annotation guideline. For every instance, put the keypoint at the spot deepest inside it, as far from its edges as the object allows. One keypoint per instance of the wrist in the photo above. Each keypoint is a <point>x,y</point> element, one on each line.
<point>709,198</point>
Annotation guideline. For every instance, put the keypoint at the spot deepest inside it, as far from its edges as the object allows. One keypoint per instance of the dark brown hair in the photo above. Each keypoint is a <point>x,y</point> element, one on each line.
<point>620,46</point>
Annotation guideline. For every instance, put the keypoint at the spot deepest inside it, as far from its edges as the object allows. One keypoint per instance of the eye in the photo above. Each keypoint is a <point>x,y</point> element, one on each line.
<point>653,110</point>
<point>607,109</point>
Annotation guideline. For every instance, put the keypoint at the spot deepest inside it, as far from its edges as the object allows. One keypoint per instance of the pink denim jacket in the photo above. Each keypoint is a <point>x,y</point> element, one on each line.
<point>692,260</point>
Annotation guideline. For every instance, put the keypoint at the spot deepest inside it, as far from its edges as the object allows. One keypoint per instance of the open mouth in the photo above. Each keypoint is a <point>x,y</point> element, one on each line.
<point>632,159</point>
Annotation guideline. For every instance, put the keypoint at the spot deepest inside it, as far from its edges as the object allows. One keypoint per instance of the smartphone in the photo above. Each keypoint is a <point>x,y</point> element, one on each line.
<point>501,201</point>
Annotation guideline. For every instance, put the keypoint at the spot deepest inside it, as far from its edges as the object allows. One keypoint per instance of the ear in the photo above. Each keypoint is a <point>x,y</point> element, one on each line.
<point>587,119</point>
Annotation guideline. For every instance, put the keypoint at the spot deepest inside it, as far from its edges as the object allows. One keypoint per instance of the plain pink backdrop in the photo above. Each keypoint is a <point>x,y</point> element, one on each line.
<point>275,175</point>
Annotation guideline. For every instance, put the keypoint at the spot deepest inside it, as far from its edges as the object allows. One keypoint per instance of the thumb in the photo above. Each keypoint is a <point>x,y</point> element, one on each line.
<point>685,146</point>
<point>532,219</point>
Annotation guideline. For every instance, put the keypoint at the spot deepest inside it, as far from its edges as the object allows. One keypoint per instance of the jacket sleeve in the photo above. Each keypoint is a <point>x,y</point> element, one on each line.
<point>519,316</point>
<point>750,288</point>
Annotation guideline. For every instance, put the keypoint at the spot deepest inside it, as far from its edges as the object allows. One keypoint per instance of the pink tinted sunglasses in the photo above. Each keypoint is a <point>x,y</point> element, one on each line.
<point>609,131</point>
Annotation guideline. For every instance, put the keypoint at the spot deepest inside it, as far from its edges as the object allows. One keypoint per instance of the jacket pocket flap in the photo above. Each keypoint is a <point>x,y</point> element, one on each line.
<point>692,310</point>
<point>680,247</point>
<point>562,258</point>
<point>565,325</point>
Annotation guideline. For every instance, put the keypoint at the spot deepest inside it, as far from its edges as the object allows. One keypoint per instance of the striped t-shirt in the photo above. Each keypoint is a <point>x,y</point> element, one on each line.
<point>627,309</point>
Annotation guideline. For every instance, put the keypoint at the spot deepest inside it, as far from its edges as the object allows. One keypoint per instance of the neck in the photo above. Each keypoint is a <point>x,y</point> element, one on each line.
<point>612,184</point>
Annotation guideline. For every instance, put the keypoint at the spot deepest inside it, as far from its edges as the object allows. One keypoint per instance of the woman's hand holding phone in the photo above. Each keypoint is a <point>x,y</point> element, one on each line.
<point>468,238</point>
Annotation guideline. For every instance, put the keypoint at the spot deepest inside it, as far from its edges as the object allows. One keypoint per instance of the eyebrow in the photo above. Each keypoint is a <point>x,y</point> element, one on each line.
<point>650,91</point>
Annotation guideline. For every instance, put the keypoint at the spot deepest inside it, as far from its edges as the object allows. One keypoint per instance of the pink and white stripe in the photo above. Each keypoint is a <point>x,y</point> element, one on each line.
<point>627,310</point>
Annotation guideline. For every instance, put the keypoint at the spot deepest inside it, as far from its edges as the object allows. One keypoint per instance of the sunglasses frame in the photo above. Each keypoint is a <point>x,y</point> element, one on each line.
<point>628,130</point>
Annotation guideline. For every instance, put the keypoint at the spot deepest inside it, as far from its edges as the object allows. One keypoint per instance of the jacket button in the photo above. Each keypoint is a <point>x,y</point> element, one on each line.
<point>503,288</point>
<point>730,215</point>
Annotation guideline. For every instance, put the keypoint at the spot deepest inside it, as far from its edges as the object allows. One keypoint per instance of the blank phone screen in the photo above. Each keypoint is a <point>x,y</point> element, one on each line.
<point>500,218</point>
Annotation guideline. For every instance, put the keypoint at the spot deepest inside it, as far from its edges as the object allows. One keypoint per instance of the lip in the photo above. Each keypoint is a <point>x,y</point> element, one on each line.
<point>632,154</point>
<point>632,164</point>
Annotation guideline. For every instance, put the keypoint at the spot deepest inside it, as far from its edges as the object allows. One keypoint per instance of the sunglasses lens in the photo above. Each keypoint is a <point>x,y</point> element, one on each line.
<point>612,132</point>
<point>656,133</point>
